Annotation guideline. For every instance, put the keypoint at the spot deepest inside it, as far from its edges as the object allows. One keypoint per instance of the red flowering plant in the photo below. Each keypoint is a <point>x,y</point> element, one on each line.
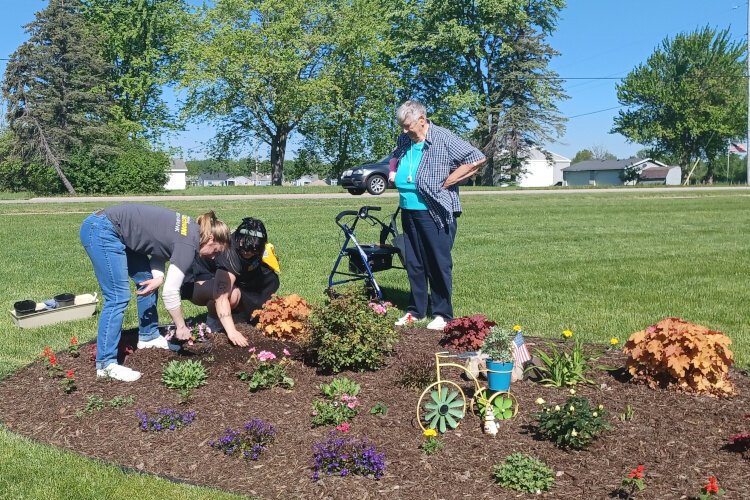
<point>466,333</point>
<point>50,362</point>
<point>74,348</point>
<point>634,482</point>
<point>741,442</point>
<point>711,489</point>
<point>69,382</point>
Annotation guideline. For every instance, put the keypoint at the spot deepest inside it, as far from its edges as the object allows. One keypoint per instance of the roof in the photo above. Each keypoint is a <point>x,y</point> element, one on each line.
<point>537,154</point>
<point>177,165</point>
<point>220,176</point>
<point>655,173</point>
<point>604,164</point>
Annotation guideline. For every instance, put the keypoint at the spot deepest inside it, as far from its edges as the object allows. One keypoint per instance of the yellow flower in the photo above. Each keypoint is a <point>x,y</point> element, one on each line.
<point>430,433</point>
<point>540,401</point>
<point>573,433</point>
<point>572,408</point>
<point>594,414</point>
<point>601,407</point>
<point>572,392</point>
<point>567,334</point>
<point>614,341</point>
<point>557,407</point>
<point>516,328</point>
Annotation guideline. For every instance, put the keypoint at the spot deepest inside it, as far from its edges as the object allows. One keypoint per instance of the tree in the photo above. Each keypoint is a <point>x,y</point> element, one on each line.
<point>53,86</point>
<point>138,40</point>
<point>255,66</point>
<point>582,155</point>
<point>689,99</point>
<point>599,152</point>
<point>488,61</point>
<point>355,122</point>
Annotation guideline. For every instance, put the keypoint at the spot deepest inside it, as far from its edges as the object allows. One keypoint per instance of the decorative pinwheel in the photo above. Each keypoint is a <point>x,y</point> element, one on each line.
<point>445,408</point>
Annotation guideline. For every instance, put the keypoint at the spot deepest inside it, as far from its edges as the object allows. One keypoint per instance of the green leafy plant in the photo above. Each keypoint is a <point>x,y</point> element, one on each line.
<point>94,403</point>
<point>338,405</point>
<point>523,473</point>
<point>561,368</point>
<point>466,333</point>
<point>502,406</point>
<point>121,401</point>
<point>498,344</point>
<point>432,443</point>
<point>417,375</point>
<point>338,387</point>
<point>380,408</point>
<point>184,376</point>
<point>628,414</point>
<point>346,334</point>
<point>574,425</point>
<point>266,376</point>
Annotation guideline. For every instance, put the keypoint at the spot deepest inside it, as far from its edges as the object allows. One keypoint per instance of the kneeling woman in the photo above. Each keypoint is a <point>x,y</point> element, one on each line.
<point>136,241</point>
<point>238,281</point>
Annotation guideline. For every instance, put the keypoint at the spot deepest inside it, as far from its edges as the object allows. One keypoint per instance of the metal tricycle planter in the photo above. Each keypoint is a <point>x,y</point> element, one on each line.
<point>442,404</point>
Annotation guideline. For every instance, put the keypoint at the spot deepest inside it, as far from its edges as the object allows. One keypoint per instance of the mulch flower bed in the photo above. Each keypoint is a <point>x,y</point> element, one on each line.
<point>680,438</point>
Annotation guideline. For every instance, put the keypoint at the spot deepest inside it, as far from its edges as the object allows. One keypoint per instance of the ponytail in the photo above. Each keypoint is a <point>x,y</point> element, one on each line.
<point>210,225</point>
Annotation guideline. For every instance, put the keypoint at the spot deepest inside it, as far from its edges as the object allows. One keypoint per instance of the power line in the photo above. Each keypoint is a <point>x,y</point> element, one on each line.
<point>594,112</point>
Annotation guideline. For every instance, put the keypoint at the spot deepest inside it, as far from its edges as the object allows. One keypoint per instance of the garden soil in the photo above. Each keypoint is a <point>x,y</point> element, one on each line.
<point>680,438</point>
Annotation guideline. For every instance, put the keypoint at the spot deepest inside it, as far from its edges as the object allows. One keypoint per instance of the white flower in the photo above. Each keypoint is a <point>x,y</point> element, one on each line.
<point>557,407</point>
<point>574,433</point>
<point>540,401</point>
<point>595,414</point>
<point>572,392</point>
<point>572,408</point>
<point>601,407</point>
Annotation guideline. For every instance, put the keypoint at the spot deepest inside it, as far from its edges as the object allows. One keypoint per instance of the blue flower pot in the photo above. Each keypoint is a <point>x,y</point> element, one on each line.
<point>498,375</point>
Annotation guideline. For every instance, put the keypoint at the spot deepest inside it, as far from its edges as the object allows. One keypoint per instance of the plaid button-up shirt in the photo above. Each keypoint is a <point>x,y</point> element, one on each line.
<point>444,151</point>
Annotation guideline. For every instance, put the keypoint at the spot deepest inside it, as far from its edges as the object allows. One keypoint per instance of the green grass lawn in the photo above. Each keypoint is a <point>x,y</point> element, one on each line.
<point>603,265</point>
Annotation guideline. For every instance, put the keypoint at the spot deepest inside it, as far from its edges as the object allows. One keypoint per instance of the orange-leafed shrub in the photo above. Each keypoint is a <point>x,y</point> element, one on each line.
<point>283,317</point>
<point>679,354</point>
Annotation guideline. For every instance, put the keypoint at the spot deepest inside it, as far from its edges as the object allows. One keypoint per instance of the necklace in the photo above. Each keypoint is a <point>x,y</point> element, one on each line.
<point>409,178</point>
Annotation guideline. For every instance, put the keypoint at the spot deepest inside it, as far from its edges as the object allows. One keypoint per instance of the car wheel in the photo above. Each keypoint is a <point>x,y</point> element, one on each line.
<point>356,192</point>
<point>376,184</point>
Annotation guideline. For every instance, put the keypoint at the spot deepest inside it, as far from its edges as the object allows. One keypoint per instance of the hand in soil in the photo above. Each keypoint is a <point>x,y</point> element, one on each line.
<point>237,339</point>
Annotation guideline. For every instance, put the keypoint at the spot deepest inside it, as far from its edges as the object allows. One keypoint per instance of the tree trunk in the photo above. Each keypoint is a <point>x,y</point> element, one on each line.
<point>278,150</point>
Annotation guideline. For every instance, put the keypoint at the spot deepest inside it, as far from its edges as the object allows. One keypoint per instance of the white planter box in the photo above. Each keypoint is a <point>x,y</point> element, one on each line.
<point>83,307</point>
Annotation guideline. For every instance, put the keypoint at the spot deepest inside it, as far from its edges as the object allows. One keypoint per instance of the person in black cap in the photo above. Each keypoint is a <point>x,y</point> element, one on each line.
<point>239,281</point>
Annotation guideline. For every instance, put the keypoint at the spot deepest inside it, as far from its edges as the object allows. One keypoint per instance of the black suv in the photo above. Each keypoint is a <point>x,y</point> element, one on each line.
<point>372,177</point>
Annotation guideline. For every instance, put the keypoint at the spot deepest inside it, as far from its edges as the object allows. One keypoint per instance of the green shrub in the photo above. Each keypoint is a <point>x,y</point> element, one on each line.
<point>574,425</point>
<point>338,387</point>
<point>523,473</point>
<point>340,403</point>
<point>562,368</point>
<point>266,376</point>
<point>417,375</point>
<point>346,334</point>
<point>184,376</point>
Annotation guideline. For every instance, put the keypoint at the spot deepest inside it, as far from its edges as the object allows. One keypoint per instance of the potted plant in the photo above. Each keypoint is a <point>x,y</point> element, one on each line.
<point>497,346</point>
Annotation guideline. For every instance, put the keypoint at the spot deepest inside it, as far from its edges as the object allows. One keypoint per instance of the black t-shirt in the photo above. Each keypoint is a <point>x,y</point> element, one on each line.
<point>248,273</point>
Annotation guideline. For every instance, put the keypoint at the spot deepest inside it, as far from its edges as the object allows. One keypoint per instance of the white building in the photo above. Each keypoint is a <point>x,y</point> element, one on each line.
<point>177,174</point>
<point>538,172</point>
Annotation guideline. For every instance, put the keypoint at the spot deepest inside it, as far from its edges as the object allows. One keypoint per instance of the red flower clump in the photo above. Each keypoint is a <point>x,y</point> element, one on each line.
<point>636,473</point>
<point>74,340</point>
<point>712,486</point>
<point>53,360</point>
<point>47,352</point>
<point>70,373</point>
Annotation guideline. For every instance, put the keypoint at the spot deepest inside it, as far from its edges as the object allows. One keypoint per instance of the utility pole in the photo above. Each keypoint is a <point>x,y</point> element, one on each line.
<point>747,144</point>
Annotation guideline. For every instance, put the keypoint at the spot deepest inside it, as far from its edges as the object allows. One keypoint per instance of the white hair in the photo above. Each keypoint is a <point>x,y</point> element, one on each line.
<point>410,109</point>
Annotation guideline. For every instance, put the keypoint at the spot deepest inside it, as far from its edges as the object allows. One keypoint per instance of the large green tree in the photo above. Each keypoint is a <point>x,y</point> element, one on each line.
<point>55,91</point>
<point>255,67</point>
<point>138,41</point>
<point>688,100</point>
<point>354,122</point>
<point>487,61</point>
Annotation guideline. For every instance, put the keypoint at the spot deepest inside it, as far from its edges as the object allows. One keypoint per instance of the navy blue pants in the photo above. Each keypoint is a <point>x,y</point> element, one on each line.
<point>428,261</point>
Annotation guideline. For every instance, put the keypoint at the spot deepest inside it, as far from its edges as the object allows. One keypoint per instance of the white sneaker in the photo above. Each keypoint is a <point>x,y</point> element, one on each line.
<point>437,324</point>
<point>406,319</point>
<point>213,323</point>
<point>118,372</point>
<point>158,343</point>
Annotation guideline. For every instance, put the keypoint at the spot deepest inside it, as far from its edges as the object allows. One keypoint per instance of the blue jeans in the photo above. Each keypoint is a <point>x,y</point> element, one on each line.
<point>113,264</point>
<point>428,261</point>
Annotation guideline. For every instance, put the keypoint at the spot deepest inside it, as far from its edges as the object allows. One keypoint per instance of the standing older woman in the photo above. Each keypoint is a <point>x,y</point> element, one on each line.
<point>427,164</point>
<point>136,241</point>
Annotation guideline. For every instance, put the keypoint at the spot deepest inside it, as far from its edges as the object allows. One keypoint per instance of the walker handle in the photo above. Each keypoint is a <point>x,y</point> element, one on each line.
<point>345,213</point>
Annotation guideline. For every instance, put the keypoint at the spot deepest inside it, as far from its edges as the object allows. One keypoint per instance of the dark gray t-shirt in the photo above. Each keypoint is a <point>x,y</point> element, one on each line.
<point>158,232</point>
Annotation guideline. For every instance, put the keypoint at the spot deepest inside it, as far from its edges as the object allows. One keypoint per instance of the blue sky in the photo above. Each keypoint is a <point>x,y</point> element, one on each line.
<point>598,39</point>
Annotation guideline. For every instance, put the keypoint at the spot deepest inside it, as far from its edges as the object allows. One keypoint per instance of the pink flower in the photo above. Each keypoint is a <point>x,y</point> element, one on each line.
<point>286,352</point>
<point>266,356</point>
<point>252,349</point>
<point>343,427</point>
<point>351,404</point>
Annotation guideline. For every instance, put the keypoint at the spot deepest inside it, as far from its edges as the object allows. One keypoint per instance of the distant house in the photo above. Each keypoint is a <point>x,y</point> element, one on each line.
<point>224,179</point>
<point>610,172</point>
<point>177,173</point>
<point>305,180</point>
<point>538,172</point>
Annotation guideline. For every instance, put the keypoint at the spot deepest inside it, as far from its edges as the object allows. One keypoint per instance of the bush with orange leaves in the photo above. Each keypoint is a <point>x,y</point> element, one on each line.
<point>682,355</point>
<point>283,317</point>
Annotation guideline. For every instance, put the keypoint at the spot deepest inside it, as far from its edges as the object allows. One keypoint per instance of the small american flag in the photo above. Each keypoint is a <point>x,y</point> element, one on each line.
<point>520,352</point>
